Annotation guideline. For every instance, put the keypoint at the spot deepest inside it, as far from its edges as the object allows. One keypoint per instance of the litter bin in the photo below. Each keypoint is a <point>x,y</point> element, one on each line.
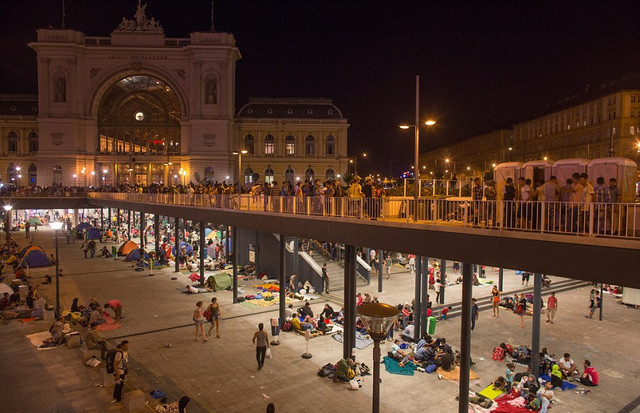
<point>114,252</point>
<point>431,325</point>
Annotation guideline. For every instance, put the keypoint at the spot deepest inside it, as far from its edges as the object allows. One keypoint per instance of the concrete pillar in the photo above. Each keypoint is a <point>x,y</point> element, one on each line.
<point>282,281</point>
<point>109,217</point>
<point>535,326</point>
<point>443,279</point>
<point>500,279</point>
<point>176,223</point>
<point>601,300</point>
<point>380,265</point>
<point>465,338</point>
<point>129,223</point>
<point>234,262</point>
<point>118,218</point>
<point>101,218</point>
<point>349,335</point>
<point>417,313</point>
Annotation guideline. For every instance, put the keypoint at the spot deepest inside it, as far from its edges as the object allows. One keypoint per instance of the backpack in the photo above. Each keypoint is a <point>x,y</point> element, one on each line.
<point>110,358</point>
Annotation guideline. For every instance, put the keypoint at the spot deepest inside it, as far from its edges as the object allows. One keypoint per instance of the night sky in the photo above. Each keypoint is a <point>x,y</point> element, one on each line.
<point>483,65</point>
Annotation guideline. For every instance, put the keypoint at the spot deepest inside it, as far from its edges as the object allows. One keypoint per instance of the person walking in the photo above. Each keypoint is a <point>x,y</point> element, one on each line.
<point>521,309</point>
<point>388,262</point>
<point>474,313</point>
<point>85,248</point>
<point>595,303</point>
<point>552,306</point>
<point>198,318</point>
<point>412,263</point>
<point>120,369</point>
<point>325,278</point>
<point>116,306</point>
<point>495,301</point>
<point>261,340</point>
<point>214,316</point>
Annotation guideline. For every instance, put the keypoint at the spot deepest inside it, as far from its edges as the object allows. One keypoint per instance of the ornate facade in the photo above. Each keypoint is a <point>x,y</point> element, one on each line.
<point>604,126</point>
<point>137,107</point>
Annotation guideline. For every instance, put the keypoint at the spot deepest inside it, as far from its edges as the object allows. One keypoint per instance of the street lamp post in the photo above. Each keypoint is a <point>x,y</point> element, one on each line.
<point>56,226</point>
<point>7,212</point>
<point>74,179</point>
<point>239,154</point>
<point>416,127</point>
<point>377,319</point>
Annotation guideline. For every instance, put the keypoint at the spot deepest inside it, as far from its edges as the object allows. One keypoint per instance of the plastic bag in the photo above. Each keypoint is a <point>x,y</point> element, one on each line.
<point>268,353</point>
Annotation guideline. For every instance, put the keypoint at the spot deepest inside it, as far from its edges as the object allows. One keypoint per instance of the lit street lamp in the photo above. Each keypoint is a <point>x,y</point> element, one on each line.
<point>56,226</point>
<point>7,213</point>
<point>453,171</point>
<point>239,154</point>
<point>377,319</point>
<point>74,179</point>
<point>416,127</point>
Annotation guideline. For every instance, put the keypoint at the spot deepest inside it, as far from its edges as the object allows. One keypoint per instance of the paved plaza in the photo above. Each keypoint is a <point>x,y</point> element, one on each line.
<point>221,375</point>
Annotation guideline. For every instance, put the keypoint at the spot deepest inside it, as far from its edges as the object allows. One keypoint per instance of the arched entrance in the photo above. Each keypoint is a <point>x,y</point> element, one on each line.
<point>139,130</point>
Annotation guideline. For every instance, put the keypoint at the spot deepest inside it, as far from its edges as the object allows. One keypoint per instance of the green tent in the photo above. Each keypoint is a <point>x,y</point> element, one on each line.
<point>219,282</point>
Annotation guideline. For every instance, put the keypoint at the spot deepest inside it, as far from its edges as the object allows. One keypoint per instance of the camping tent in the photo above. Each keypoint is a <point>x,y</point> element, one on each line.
<point>93,233</point>
<point>187,246</point>
<point>82,226</point>
<point>4,288</point>
<point>35,257</point>
<point>220,281</point>
<point>35,221</point>
<point>126,248</point>
<point>23,251</point>
<point>135,255</point>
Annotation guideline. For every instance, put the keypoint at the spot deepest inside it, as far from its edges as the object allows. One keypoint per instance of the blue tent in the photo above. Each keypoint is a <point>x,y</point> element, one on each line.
<point>93,234</point>
<point>186,245</point>
<point>135,255</point>
<point>24,250</point>
<point>35,257</point>
<point>82,226</point>
<point>207,231</point>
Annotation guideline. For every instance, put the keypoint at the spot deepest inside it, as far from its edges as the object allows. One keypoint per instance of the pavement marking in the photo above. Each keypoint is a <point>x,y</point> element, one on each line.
<point>631,406</point>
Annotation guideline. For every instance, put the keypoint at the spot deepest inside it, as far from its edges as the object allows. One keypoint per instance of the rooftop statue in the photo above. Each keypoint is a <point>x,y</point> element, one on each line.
<point>140,22</point>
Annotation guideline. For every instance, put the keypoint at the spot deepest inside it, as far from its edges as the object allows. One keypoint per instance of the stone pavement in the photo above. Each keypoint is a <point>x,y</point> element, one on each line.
<point>221,375</point>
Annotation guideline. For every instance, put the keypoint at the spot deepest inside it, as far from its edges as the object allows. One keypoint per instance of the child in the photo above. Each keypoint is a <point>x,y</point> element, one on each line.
<point>500,383</point>
<point>444,312</point>
<point>509,376</point>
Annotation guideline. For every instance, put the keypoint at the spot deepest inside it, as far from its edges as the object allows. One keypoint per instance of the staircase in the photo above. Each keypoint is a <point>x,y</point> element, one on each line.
<point>335,269</point>
<point>484,303</point>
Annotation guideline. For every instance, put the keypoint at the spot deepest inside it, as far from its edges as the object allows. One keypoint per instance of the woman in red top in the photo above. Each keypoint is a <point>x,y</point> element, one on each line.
<point>495,301</point>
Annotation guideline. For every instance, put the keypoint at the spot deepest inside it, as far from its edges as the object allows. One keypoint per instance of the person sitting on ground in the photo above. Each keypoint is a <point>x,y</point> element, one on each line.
<point>533,402</point>
<point>396,352</point>
<point>344,370</point>
<point>4,302</point>
<point>289,311</point>
<point>528,385</point>
<point>57,331</point>
<point>407,333</point>
<point>445,360</point>
<point>327,312</point>
<point>500,383</point>
<point>93,339</point>
<point>567,366</point>
<point>590,377</point>
<point>97,316</point>
<point>306,310</point>
<point>545,394</point>
<point>556,376</point>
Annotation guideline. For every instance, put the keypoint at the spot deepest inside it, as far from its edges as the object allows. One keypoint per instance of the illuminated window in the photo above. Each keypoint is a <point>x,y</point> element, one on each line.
<point>269,145</point>
<point>290,145</point>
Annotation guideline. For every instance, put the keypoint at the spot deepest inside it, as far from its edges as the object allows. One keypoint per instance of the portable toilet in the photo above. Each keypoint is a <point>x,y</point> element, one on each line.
<point>565,168</point>
<point>503,171</point>
<point>536,171</point>
<point>623,169</point>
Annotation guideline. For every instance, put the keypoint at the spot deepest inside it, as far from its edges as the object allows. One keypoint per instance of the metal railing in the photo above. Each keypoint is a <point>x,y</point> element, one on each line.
<point>618,220</point>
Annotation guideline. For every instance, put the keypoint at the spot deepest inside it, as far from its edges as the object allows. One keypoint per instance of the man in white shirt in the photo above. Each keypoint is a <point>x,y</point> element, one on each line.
<point>545,394</point>
<point>567,366</point>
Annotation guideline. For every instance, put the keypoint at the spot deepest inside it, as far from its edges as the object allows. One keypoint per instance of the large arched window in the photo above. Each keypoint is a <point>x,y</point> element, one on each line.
<point>309,145</point>
<point>12,173</point>
<point>290,145</point>
<point>248,176</point>
<point>248,143</point>
<point>57,175</point>
<point>289,176</point>
<point>33,142</point>
<point>12,141</point>
<point>308,174</point>
<point>208,174</point>
<point>269,145</point>
<point>330,174</point>
<point>33,175</point>
<point>330,145</point>
<point>269,174</point>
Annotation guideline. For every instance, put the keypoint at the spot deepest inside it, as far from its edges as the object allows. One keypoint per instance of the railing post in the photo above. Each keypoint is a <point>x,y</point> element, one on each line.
<point>543,214</point>
<point>591,219</point>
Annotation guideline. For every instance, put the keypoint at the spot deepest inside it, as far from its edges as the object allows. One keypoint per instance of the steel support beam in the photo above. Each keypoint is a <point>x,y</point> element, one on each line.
<point>349,335</point>
<point>234,262</point>
<point>535,326</point>
<point>424,300</point>
<point>282,281</point>
<point>143,220</point>
<point>443,279</point>
<point>156,231</point>
<point>201,248</point>
<point>500,279</point>
<point>417,312</point>
<point>465,338</point>
<point>380,265</point>
<point>176,257</point>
